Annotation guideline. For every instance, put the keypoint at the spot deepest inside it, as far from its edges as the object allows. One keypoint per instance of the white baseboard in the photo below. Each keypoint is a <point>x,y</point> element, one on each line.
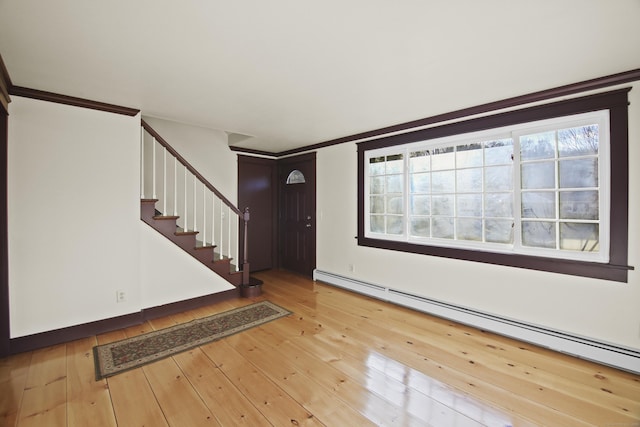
<point>585,348</point>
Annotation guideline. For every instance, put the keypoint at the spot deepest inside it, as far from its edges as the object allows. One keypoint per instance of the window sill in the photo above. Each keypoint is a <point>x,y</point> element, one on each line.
<point>612,272</point>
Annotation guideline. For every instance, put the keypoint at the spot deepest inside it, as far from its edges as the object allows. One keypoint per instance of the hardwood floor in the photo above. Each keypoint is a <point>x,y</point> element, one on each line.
<point>340,359</point>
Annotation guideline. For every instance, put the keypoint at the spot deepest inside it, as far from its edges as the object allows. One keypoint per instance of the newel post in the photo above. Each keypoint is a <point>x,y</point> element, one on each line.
<point>245,255</point>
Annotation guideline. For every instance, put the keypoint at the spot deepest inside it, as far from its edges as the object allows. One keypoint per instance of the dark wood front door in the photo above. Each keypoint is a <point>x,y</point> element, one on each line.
<point>297,213</point>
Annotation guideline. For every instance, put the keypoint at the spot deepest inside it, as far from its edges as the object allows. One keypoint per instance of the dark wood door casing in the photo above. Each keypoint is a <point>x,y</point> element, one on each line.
<point>257,190</point>
<point>297,215</point>
<point>4,238</point>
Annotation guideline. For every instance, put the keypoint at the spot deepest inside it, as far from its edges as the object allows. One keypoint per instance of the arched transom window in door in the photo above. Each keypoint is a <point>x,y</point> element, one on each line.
<point>296,177</point>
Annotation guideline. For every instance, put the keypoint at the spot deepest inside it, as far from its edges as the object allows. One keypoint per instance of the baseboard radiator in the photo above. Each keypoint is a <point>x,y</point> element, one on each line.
<point>607,354</point>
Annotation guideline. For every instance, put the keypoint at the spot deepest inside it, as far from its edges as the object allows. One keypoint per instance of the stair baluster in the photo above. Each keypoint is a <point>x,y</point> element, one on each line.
<point>204,215</point>
<point>142,196</point>
<point>175,186</point>
<point>153,167</point>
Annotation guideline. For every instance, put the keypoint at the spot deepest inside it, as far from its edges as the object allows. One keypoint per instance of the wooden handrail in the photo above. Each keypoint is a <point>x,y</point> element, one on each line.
<point>191,169</point>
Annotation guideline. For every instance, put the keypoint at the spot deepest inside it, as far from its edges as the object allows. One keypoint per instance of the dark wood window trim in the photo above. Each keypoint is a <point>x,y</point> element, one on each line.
<point>615,101</point>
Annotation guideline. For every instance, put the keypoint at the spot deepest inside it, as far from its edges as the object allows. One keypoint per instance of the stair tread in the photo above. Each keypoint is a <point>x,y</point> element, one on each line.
<point>221,258</point>
<point>186,233</point>
<point>199,247</point>
<point>162,217</point>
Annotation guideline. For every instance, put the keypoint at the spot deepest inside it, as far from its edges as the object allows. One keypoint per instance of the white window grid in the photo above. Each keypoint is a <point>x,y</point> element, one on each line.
<point>601,118</point>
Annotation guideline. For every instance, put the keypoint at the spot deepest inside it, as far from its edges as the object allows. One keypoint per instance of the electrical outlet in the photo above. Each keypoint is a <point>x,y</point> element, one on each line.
<point>121,296</point>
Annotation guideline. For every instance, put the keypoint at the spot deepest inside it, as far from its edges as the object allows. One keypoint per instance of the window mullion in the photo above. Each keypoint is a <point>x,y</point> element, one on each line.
<point>406,194</point>
<point>483,195</point>
<point>430,195</point>
<point>557,190</point>
<point>517,194</point>
<point>455,192</point>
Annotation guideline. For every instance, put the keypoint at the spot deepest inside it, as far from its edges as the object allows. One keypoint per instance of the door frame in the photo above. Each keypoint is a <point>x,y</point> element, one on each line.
<point>282,177</point>
<point>5,331</point>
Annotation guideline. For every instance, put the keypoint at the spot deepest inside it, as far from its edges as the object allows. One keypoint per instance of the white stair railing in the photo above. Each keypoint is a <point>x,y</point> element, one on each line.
<point>176,185</point>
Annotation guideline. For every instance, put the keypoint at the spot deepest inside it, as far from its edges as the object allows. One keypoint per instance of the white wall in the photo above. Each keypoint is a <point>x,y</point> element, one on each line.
<point>73,215</point>
<point>75,234</point>
<point>169,274</point>
<point>598,309</point>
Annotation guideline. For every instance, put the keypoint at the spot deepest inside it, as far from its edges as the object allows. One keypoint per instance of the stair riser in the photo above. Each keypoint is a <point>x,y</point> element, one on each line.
<point>204,255</point>
<point>188,243</point>
<point>166,227</point>
<point>147,211</point>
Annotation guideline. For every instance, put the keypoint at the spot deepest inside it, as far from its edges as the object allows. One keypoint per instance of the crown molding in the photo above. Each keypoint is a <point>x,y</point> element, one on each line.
<point>71,100</point>
<point>5,84</point>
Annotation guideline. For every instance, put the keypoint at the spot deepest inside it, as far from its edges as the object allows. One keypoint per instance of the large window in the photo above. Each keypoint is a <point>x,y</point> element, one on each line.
<point>529,188</point>
<point>539,189</point>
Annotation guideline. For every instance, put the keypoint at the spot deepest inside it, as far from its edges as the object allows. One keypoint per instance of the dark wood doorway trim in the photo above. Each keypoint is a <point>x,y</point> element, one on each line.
<point>285,165</point>
<point>4,237</point>
<point>5,331</point>
<point>258,190</point>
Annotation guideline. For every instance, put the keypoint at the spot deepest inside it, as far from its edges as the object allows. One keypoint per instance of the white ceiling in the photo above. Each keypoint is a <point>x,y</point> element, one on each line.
<point>291,73</point>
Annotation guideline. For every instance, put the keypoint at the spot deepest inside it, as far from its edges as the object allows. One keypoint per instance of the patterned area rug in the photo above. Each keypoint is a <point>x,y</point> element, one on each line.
<point>113,358</point>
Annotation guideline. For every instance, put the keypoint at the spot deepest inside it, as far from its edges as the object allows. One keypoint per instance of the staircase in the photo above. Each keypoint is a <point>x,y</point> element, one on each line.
<point>189,211</point>
<point>187,240</point>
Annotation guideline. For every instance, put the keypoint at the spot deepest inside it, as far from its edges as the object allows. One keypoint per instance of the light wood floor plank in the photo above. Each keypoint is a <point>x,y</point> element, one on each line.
<point>134,403</point>
<point>418,394</point>
<point>44,401</point>
<point>168,381</point>
<point>88,400</point>
<point>335,382</point>
<point>272,401</point>
<point>298,384</point>
<point>221,396</point>
<point>13,377</point>
<point>376,395</point>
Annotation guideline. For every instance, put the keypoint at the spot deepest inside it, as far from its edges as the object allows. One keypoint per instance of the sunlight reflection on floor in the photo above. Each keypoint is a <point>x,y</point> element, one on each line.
<point>426,399</point>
